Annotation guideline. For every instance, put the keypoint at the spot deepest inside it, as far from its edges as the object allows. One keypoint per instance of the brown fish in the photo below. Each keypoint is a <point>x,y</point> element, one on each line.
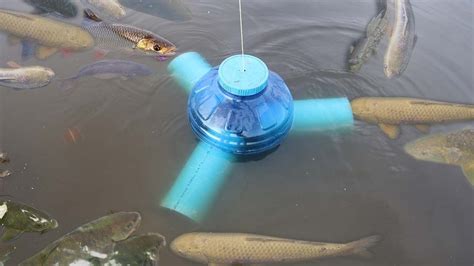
<point>51,34</point>
<point>391,112</point>
<point>235,248</point>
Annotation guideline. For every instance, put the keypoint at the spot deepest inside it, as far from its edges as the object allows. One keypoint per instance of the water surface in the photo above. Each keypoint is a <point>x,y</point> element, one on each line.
<point>333,187</point>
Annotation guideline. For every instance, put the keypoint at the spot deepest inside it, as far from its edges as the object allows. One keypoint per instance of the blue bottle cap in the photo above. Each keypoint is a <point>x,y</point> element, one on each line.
<point>243,75</point>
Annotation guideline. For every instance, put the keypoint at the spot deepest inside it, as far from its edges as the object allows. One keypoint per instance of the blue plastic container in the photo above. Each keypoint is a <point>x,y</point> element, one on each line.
<point>241,107</point>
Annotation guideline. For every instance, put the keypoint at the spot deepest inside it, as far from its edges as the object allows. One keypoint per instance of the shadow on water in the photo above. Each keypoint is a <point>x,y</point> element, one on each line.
<point>132,137</point>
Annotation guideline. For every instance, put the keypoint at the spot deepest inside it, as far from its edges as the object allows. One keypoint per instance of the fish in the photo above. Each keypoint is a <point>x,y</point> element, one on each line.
<point>50,34</point>
<point>108,69</point>
<point>402,37</point>
<point>175,10</point>
<point>17,218</point>
<point>391,112</point>
<point>127,38</point>
<point>4,159</point>
<point>91,242</point>
<point>5,252</point>
<point>237,248</point>
<point>30,77</point>
<point>454,148</point>
<point>365,47</point>
<point>112,8</point>
<point>64,8</point>
<point>138,250</point>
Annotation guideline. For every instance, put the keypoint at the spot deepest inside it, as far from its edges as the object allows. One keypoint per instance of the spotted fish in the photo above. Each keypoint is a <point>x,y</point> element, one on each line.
<point>235,248</point>
<point>391,112</point>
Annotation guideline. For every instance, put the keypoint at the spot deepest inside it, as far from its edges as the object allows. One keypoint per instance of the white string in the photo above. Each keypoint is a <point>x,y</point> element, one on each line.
<point>241,35</point>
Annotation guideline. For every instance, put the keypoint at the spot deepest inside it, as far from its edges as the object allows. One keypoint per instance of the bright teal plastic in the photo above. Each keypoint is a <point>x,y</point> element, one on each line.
<point>243,75</point>
<point>188,68</point>
<point>198,185</point>
<point>322,114</point>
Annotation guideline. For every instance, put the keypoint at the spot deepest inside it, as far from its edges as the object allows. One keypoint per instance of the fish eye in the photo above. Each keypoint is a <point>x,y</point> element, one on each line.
<point>156,47</point>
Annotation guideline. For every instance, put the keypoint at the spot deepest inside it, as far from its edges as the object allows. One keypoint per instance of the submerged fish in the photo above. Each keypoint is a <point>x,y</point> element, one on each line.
<point>65,8</point>
<point>138,250</point>
<point>110,7</point>
<point>402,38</point>
<point>455,148</point>
<point>111,36</point>
<point>26,77</point>
<point>17,218</point>
<point>169,9</point>
<point>51,34</point>
<point>229,249</point>
<point>108,69</point>
<point>5,252</point>
<point>4,159</point>
<point>391,112</point>
<point>91,242</point>
<point>366,46</point>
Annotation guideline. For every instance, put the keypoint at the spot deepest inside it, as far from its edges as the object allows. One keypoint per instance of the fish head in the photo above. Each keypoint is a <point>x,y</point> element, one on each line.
<point>190,246</point>
<point>157,46</point>
<point>364,108</point>
<point>431,148</point>
<point>36,221</point>
<point>121,225</point>
<point>391,70</point>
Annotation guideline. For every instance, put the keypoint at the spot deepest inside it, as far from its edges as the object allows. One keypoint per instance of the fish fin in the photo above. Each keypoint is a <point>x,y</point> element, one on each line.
<point>351,49</point>
<point>374,22</point>
<point>360,247</point>
<point>13,64</point>
<point>392,131</point>
<point>10,234</point>
<point>66,84</point>
<point>423,128</point>
<point>44,52</point>
<point>468,170</point>
<point>88,13</point>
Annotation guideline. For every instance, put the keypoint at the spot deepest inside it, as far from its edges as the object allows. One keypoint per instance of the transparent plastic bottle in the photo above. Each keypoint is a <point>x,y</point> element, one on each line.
<point>241,107</point>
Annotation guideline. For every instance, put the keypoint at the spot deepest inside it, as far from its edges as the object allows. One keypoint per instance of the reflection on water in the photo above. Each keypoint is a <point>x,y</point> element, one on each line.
<point>133,137</point>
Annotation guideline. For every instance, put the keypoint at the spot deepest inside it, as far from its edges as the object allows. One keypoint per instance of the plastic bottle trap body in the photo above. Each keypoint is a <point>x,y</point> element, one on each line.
<point>241,107</point>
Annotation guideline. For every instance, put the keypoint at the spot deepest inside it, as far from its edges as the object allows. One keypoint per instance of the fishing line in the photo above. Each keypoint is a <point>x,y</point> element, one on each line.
<point>241,35</point>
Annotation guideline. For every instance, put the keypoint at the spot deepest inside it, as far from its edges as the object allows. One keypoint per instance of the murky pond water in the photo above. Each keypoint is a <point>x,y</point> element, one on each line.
<point>131,138</point>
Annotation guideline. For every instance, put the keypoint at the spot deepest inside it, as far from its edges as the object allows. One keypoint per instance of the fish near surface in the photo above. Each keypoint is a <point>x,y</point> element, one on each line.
<point>110,7</point>
<point>235,248</point>
<point>65,8</point>
<point>108,69</point>
<point>175,10</point>
<point>121,37</point>
<point>26,77</point>
<point>50,34</point>
<point>17,218</point>
<point>402,37</point>
<point>4,159</point>
<point>391,112</point>
<point>455,148</point>
<point>138,250</point>
<point>91,242</point>
<point>367,46</point>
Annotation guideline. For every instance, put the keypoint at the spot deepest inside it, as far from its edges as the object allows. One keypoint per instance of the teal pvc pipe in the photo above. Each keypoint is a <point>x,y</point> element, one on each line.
<point>187,69</point>
<point>198,185</point>
<point>322,114</point>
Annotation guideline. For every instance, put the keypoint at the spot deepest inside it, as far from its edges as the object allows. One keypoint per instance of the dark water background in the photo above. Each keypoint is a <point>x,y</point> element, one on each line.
<point>328,187</point>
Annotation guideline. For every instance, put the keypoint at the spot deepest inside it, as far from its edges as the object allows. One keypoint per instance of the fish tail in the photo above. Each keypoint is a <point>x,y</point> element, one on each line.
<point>88,13</point>
<point>360,247</point>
